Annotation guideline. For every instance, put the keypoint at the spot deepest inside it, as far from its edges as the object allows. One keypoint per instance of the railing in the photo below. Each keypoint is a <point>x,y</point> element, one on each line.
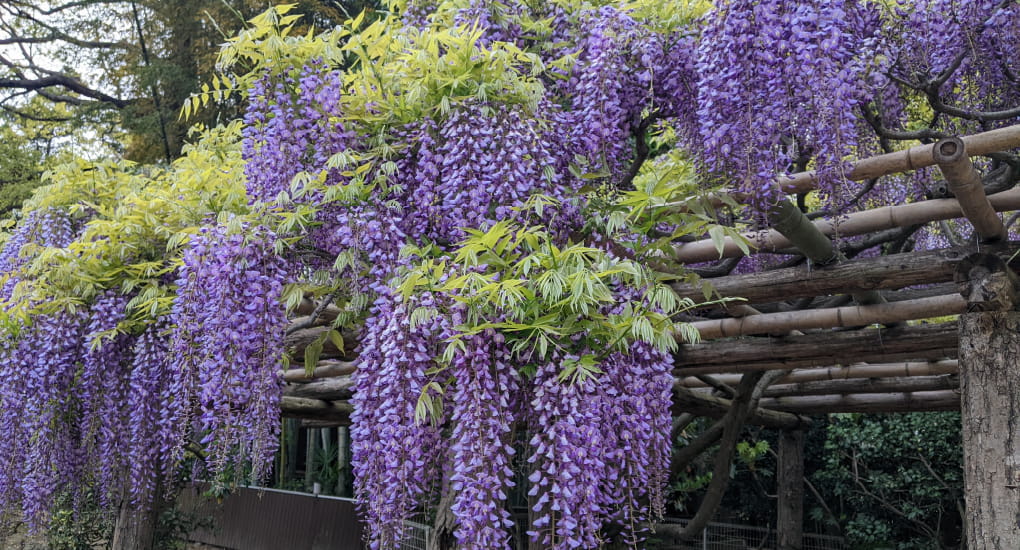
<point>415,536</point>
<point>728,536</point>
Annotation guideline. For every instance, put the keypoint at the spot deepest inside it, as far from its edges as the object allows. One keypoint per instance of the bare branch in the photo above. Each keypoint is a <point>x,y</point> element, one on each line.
<point>68,82</point>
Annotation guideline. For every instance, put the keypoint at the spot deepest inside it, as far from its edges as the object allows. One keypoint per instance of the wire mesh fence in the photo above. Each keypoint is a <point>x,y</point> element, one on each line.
<point>716,536</point>
<point>415,536</point>
<point>728,536</point>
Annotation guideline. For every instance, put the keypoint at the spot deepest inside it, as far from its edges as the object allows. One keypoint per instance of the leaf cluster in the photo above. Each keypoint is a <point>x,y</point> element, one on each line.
<point>572,299</point>
<point>136,221</point>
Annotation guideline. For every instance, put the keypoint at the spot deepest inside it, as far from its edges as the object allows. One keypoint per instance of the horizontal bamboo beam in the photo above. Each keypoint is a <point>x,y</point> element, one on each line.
<point>326,389</point>
<point>992,141</point>
<point>965,182</point>
<point>315,409</point>
<point>700,404</point>
<point>849,316</point>
<point>863,370</point>
<point>308,306</point>
<point>879,273</point>
<point>327,368</point>
<point>929,341</point>
<point>944,400</point>
<point>866,385</point>
<point>857,223</point>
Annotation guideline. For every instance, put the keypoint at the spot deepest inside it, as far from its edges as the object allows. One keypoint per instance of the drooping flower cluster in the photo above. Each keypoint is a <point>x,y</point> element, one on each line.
<point>46,227</point>
<point>228,330</point>
<point>965,54</point>
<point>610,87</point>
<point>486,394</point>
<point>394,455</point>
<point>291,125</point>
<point>779,81</point>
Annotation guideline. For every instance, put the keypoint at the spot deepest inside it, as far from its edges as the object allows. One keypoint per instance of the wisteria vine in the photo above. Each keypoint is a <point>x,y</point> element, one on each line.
<point>494,131</point>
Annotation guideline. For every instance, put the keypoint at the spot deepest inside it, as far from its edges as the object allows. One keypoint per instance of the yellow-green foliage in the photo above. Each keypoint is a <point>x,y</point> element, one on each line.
<point>139,219</point>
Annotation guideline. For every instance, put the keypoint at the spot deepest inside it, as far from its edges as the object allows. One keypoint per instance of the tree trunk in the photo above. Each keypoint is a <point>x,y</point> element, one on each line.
<point>136,524</point>
<point>990,383</point>
<point>990,375</point>
<point>790,488</point>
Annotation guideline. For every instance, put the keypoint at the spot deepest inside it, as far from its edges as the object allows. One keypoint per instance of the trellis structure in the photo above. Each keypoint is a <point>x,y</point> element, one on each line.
<point>796,347</point>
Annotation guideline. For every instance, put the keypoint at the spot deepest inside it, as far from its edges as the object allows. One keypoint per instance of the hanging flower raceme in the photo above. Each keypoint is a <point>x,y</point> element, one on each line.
<point>228,347</point>
<point>487,390</point>
<point>396,454</point>
<point>780,81</point>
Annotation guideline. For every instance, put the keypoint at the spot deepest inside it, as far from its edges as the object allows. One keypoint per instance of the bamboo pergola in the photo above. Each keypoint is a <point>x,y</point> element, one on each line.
<point>836,356</point>
<point>886,334</point>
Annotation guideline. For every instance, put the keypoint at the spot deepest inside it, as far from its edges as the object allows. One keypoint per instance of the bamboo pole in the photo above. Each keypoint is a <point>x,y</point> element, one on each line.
<point>772,323</point>
<point>944,400</point>
<point>863,370</point>
<point>964,181</point>
<point>327,368</point>
<point>1001,139</point>
<point>327,389</point>
<point>865,385</point>
<point>992,141</point>
<point>879,273</point>
<point>317,409</point>
<point>858,223</point>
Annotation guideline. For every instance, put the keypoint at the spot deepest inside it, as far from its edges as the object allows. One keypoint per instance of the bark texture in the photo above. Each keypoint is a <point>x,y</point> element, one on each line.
<point>990,383</point>
<point>990,379</point>
<point>790,489</point>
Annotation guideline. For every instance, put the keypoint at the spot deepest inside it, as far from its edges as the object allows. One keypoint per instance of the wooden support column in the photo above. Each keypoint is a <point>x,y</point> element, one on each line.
<point>343,460</point>
<point>790,489</point>
<point>990,383</point>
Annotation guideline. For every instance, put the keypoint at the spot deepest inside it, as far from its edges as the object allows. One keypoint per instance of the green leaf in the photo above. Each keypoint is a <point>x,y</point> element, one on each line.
<point>314,351</point>
<point>337,339</point>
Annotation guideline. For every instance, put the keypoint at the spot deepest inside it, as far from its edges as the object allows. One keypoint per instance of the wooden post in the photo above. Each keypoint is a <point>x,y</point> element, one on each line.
<point>291,451</point>
<point>790,488</point>
<point>342,461</point>
<point>990,384</point>
<point>135,528</point>
<point>136,523</point>
<point>311,444</point>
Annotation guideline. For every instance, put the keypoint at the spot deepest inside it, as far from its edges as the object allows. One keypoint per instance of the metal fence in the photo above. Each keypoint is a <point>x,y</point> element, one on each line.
<point>728,536</point>
<point>415,536</point>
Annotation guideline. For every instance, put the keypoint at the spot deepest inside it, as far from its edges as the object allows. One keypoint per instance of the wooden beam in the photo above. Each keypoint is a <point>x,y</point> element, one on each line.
<point>990,371</point>
<point>879,273</point>
<point>934,341</point>
<point>849,316</point>
<point>316,409</point>
<point>296,342</point>
<point>327,368</point>
<point>866,385</point>
<point>857,223</point>
<point>945,400</point>
<point>327,389</point>
<point>863,370</point>
<point>701,404</point>
<point>790,491</point>
<point>965,182</point>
